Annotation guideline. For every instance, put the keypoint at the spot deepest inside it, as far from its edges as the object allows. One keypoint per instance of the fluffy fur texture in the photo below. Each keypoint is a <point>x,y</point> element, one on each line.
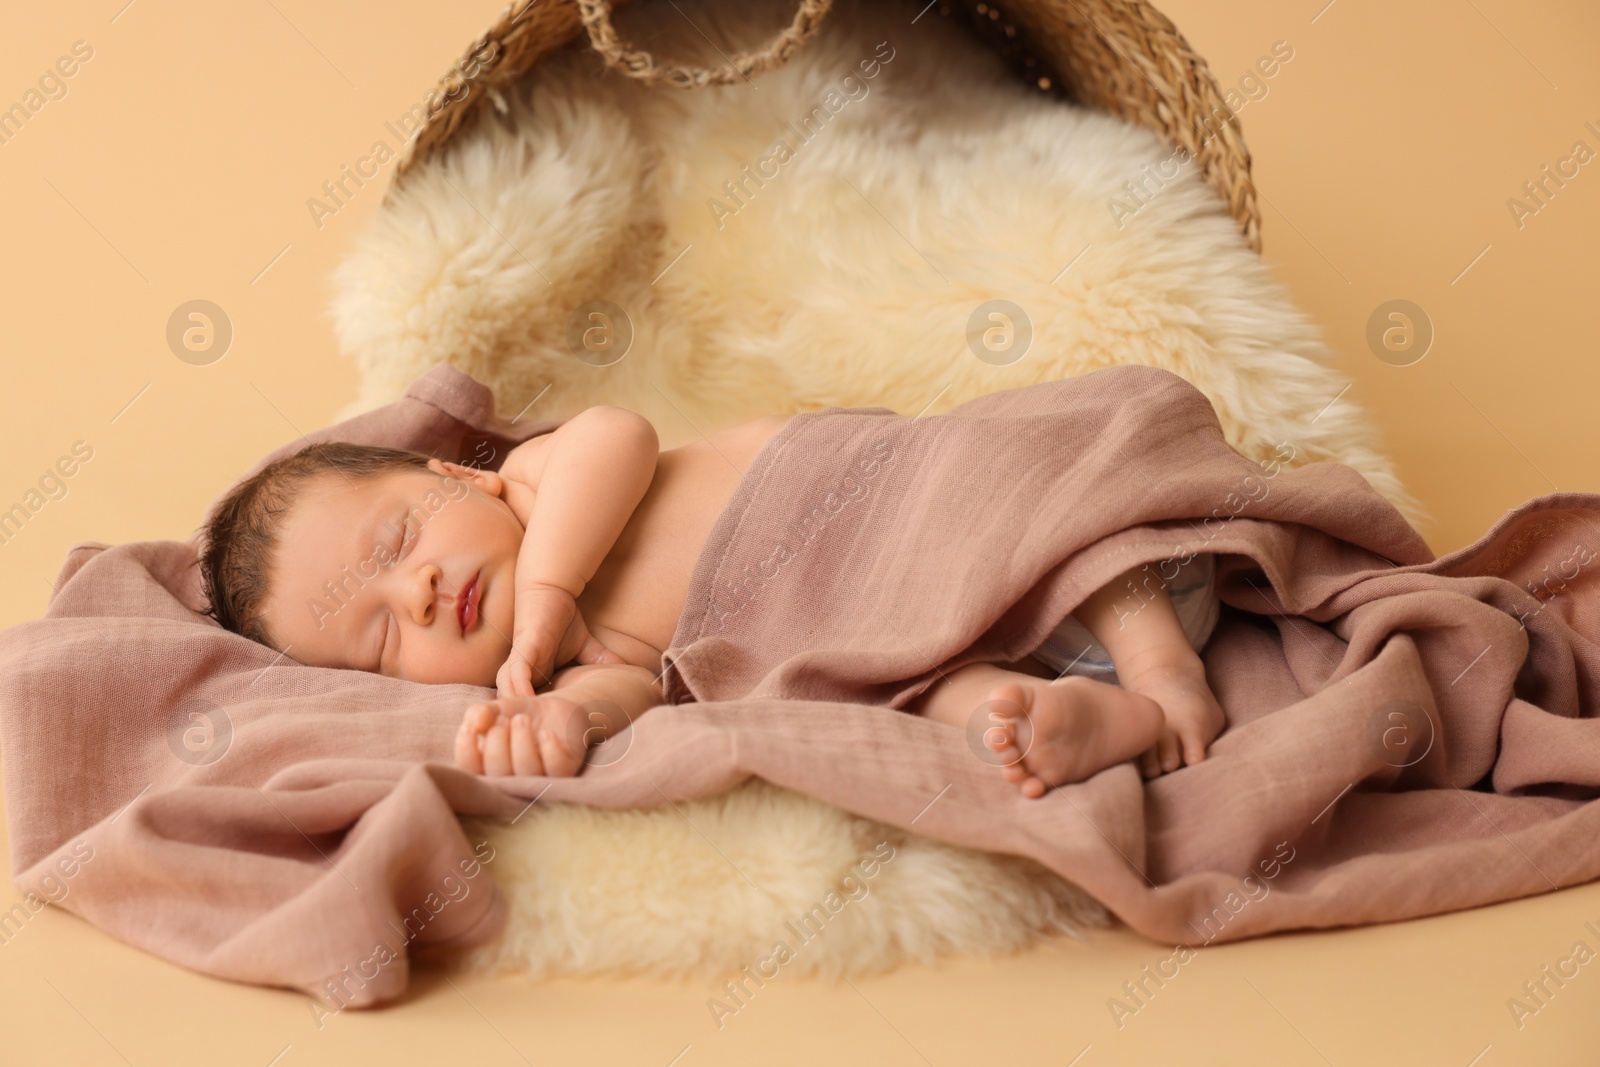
<point>714,885</point>
<point>848,276</point>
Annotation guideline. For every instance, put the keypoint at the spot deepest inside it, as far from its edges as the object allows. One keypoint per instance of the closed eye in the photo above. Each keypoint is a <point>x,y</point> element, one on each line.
<point>389,623</point>
<point>405,538</point>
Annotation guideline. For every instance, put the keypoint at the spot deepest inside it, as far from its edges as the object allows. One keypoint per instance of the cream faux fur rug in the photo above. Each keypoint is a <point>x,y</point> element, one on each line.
<point>901,179</point>
<point>758,880</point>
<point>852,274</point>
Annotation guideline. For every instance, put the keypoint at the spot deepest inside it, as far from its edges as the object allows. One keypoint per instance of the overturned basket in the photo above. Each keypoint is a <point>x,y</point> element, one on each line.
<point>1120,56</point>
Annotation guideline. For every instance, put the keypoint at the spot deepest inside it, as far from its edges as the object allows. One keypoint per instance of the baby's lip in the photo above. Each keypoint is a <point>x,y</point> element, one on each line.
<point>467,605</point>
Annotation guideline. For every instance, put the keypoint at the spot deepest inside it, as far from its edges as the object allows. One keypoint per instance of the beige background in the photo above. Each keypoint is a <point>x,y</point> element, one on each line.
<point>178,167</point>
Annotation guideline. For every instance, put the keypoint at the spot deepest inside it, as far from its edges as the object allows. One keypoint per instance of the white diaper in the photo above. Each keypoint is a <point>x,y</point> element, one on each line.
<point>1072,649</point>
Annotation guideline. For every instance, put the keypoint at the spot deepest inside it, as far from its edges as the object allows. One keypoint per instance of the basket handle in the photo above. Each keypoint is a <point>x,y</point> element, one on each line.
<point>596,15</point>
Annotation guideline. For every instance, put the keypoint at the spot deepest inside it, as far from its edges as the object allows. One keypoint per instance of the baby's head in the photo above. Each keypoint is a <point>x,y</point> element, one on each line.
<point>368,558</point>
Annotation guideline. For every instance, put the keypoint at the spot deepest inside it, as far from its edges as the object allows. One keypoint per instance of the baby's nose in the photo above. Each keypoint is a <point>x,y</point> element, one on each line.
<point>425,594</point>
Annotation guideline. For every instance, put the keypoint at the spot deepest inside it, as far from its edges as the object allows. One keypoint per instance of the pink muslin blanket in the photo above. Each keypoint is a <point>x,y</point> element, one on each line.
<point>1406,735</point>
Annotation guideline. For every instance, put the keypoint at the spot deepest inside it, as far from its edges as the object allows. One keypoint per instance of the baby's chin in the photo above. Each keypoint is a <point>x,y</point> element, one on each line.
<point>484,667</point>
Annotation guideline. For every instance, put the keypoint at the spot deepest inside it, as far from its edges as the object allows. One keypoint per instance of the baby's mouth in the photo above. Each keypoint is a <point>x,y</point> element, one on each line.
<point>467,604</point>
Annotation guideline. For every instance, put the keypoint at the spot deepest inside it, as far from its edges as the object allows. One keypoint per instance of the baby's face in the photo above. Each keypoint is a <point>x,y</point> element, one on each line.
<point>407,574</point>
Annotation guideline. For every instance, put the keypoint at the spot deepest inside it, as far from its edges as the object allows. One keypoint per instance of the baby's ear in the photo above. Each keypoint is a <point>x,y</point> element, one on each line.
<point>488,481</point>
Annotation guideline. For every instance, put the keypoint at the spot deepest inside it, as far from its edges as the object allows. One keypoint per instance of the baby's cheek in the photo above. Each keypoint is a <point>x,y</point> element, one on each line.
<point>499,612</point>
<point>470,666</point>
<point>434,657</point>
<point>486,651</point>
<point>485,670</point>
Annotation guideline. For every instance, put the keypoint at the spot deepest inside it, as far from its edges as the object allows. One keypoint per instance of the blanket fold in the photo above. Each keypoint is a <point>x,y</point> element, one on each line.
<point>1406,735</point>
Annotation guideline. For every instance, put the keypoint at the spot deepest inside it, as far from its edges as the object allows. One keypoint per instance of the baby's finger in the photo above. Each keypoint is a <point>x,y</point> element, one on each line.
<point>539,668</point>
<point>512,679</point>
<point>523,672</point>
<point>524,753</point>
<point>1194,747</point>
<point>558,761</point>
<point>1150,761</point>
<point>529,642</point>
<point>468,758</point>
<point>1169,751</point>
<point>535,662</point>
<point>497,749</point>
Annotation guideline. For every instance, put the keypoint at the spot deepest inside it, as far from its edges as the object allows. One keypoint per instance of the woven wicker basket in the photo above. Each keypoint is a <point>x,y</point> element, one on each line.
<point>1120,56</point>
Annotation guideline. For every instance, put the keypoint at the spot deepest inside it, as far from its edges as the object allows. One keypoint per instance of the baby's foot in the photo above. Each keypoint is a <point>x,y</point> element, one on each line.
<point>1193,718</point>
<point>1066,730</point>
<point>545,735</point>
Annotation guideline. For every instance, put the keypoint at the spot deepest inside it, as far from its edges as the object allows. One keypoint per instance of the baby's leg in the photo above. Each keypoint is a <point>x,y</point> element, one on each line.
<point>1044,733</point>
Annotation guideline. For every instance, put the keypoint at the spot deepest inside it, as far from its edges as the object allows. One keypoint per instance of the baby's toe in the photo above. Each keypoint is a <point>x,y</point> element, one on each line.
<point>1009,701</point>
<point>1003,746</point>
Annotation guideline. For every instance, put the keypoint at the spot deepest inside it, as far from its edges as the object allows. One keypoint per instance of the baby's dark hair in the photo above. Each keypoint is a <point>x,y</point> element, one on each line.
<point>241,536</point>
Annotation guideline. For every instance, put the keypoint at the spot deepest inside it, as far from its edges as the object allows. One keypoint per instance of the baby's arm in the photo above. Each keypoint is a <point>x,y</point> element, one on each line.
<point>550,734</point>
<point>574,489</point>
<point>1133,617</point>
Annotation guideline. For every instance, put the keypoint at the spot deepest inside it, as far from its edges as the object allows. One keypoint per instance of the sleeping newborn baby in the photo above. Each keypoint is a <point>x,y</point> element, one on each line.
<point>560,581</point>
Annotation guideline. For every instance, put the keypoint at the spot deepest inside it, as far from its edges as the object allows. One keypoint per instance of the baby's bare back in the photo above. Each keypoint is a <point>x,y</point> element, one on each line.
<point>633,602</point>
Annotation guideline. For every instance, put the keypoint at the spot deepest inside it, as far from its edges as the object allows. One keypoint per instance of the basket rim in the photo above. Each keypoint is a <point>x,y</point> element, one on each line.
<point>1176,84</point>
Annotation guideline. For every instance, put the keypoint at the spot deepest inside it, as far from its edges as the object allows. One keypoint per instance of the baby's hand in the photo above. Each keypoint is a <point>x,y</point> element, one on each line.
<point>1193,718</point>
<point>548,631</point>
<point>546,735</point>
